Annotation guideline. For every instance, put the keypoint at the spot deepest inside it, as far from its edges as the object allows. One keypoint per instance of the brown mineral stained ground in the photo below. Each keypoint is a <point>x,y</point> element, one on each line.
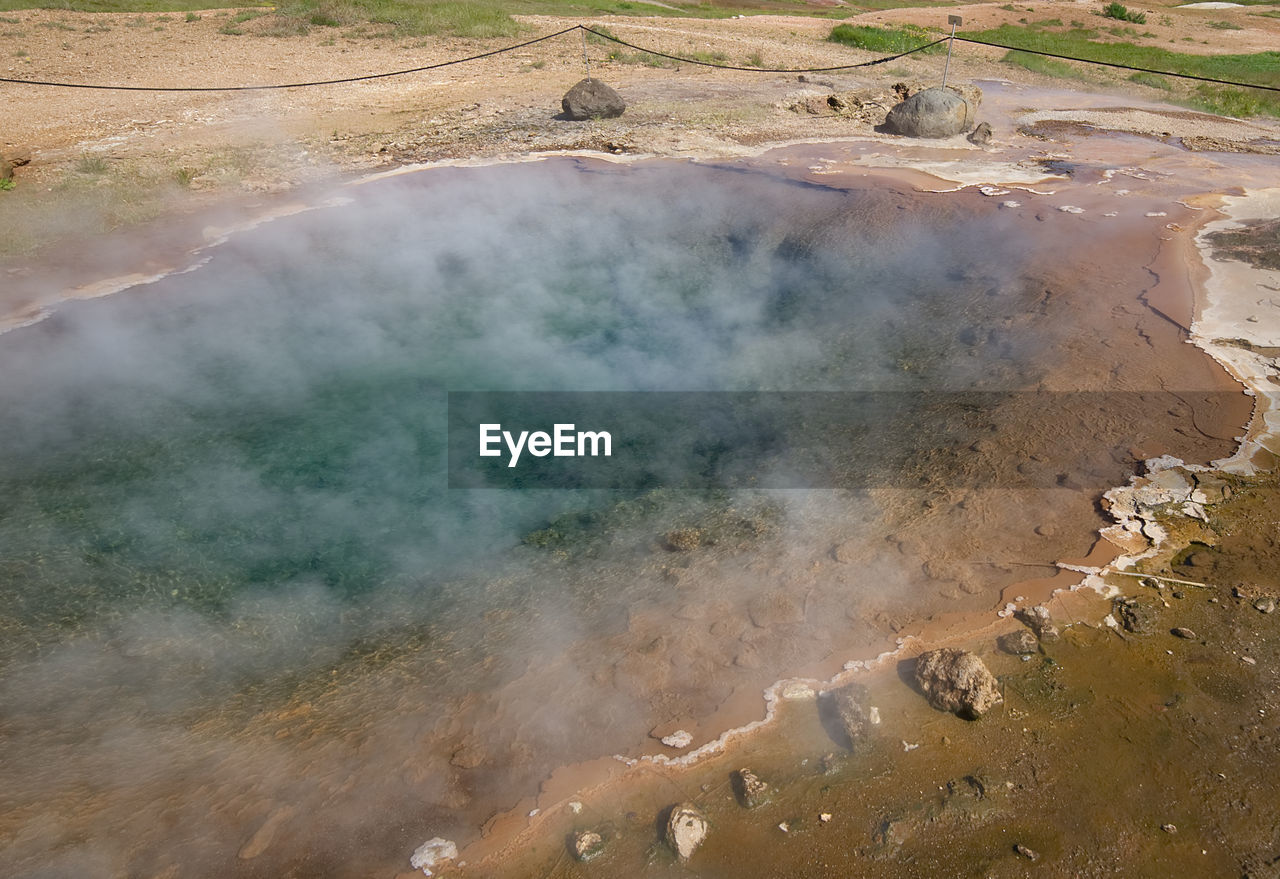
<point>1114,753</point>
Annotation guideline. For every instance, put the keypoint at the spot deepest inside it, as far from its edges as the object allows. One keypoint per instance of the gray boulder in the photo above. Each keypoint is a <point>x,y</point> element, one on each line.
<point>957,681</point>
<point>592,99</point>
<point>935,112</point>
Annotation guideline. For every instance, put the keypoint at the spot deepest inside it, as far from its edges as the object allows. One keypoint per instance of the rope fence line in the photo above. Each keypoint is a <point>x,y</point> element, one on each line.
<point>606,36</point>
<point>1117,65</point>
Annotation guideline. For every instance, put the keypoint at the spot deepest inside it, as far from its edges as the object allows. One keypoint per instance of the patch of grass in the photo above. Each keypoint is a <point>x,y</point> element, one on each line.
<point>709,57</point>
<point>648,60</point>
<point>1120,12</point>
<point>885,40</point>
<point>21,53</point>
<point>1153,80</point>
<point>193,16</point>
<point>1046,66</point>
<point>1262,68</point>
<point>136,21</point>
<point>4,19</point>
<point>7,184</point>
<point>1048,22</point>
<point>1225,26</point>
<point>1241,103</point>
<point>754,60</point>
<point>91,165</point>
<point>56,25</point>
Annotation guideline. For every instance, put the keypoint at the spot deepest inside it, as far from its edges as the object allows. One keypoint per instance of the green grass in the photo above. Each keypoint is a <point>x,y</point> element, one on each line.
<point>1262,68</point>
<point>1046,66</point>
<point>1225,26</point>
<point>889,41</point>
<point>1121,13</point>
<point>1154,80</point>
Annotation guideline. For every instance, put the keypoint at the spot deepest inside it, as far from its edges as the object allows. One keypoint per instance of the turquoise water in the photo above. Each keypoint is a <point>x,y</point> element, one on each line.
<point>220,489</point>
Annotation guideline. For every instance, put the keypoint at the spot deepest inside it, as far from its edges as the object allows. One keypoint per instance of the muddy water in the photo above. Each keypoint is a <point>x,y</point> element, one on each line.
<point>247,640</point>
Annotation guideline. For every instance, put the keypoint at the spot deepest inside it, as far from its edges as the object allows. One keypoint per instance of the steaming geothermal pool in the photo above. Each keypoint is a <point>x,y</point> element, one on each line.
<point>249,629</point>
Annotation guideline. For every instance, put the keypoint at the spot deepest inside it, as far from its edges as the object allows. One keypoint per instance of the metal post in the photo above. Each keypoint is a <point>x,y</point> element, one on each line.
<point>953,20</point>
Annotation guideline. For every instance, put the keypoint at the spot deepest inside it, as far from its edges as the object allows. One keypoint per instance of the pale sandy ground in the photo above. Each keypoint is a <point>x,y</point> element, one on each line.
<point>255,141</point>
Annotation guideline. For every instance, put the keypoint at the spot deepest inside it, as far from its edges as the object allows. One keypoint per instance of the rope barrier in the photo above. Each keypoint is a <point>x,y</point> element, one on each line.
<point>1248,85</point>
<point>762,69</point>
<point>606,36</point>
<point>349,79</point>
<point>292,85</point>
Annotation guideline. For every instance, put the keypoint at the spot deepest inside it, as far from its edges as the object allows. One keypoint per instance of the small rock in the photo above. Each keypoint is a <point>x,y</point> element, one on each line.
<point>1169,828</point>
<point>1135,616</point>
<point>1018,643</point>
<point>847,706</point>
<point>587,845</point>
<point>592,99</point>
<point>1265,605</point>
<point>1182,632</point>
<point>824,817</point>
<point>1030,854</point>
<point>981,134</point>
<point>957,681</point>
<point>784,827</point>
<point>686,829</point>
<point>1040,622</point>
<point>748,788</point>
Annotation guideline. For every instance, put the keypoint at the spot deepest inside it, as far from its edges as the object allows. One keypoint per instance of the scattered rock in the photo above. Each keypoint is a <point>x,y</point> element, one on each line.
<point>1169,828</point>
<point>773,608</point>
<point>1135,616</point>
<point>957,681</point>
<point>587,845</point>
<point>931,113</point>
<point>592,99</point>
<point>824,817</point>
<point>683,539</point>
<point>981,134</point>
<point>432,852</point>
<point>686,829</point>
<point>748,788</point>
<point>1184,633</point>
<point>846,707</point>
<point>1019,643</point>
<point>1028,853</point>
<point>1040,622</point>
<point>1265,605</point>
<point>469,756</point>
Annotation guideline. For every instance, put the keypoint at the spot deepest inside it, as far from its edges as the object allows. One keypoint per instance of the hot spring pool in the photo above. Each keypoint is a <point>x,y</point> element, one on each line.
<point>249,629</point>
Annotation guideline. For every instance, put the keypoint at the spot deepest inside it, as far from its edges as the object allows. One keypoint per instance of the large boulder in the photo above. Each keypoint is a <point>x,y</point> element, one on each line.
<point>592,99</point>
<point>957,681</point>
<point>935,112</point>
